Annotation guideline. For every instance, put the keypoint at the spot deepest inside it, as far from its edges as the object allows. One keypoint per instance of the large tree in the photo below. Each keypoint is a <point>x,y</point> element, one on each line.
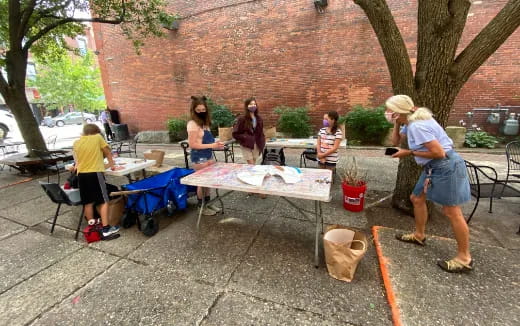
<point>70,80</point>
<point>440,72</point>
<point>40,27</point>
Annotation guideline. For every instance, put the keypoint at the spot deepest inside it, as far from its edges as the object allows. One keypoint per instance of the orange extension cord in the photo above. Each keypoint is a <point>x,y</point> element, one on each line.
<point>390,295</point>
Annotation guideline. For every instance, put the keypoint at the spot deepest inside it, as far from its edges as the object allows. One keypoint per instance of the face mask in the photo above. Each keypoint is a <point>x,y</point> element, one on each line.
<point>325,123</point>
<point>201,115</point>
<point>251,108</point>
<point>390,117</point>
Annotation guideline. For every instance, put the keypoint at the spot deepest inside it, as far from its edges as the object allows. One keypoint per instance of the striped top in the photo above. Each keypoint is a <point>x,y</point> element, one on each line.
<point>327,142</point>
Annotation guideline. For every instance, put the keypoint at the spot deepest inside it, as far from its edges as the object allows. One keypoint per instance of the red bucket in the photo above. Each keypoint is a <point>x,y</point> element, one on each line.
<point>354,196</point>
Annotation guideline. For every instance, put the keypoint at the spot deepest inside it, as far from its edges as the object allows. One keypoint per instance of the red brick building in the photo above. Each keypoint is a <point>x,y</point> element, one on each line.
<point>283,53</point>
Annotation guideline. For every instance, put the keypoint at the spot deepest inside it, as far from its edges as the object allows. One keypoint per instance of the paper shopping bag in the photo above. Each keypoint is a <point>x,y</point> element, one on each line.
<point>344,249</point>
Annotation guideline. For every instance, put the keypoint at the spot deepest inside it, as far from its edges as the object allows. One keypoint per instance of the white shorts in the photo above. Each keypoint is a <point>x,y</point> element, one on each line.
<point>250,154</point>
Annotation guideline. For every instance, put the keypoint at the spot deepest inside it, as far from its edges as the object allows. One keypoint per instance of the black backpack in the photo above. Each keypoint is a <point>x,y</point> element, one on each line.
<point>273,156</point>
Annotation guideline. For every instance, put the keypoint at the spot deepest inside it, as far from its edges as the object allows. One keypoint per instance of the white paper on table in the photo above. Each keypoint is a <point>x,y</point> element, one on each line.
<point>255,176</point>
<point>252,178</point>
<point>288,174</point>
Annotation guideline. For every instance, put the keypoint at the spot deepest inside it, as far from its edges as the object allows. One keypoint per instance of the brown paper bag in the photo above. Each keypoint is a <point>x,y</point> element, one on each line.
<point>225,134</point>
<point>116,208</point>
<point>270,132</point>
<point>344,249</point>
<point>156,155</point>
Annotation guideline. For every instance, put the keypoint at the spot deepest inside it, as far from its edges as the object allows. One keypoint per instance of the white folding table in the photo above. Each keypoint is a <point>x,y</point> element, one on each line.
<point>315,184</point>
<point>130,165</point>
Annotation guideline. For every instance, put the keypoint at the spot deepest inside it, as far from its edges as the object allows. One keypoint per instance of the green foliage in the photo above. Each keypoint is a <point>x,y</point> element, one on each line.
<point>65,81</point>
<point>342,119</point>
<point>46,23</point>
<point>167,20</point>
<point>221,115</point>
<point>480,139</point>
<point>294,121</point>
<point>177,129</point>
<point>368,126</point>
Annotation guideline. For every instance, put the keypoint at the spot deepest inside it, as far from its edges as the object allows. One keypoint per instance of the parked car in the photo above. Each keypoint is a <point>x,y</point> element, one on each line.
<point>7,123</point>
<point>48,121</point>
<point>72,118</point>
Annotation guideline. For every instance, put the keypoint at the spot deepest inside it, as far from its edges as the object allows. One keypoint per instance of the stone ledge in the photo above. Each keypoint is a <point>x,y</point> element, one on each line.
<point>154,137</point>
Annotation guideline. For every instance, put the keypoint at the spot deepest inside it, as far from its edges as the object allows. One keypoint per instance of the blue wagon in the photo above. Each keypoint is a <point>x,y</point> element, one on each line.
<point>147,196</point>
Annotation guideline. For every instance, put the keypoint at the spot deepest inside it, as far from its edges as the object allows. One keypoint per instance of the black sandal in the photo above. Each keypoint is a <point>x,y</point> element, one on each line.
<point>455,266</point>
<point>410,238</point>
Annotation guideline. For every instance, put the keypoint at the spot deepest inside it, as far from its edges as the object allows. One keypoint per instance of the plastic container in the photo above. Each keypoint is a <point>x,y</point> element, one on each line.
<point>354,197</point>
<point>511,126</point>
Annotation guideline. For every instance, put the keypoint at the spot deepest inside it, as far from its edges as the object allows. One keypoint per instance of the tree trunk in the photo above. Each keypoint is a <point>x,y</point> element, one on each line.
<point>29,129</point>
<point>14,94</point>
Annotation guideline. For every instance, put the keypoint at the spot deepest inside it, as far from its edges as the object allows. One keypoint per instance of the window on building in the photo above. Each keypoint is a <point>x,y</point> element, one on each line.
<point>82,45</point>
<point>31,70</point>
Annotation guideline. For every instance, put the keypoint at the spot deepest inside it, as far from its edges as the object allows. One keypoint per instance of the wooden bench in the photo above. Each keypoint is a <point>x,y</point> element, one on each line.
<point>25,164</point>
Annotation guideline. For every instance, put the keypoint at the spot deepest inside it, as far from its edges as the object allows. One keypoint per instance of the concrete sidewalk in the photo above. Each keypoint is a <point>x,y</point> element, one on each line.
<point>252,265</point>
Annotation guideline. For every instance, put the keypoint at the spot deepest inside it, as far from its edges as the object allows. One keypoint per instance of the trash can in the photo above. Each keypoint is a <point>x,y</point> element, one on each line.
<point>120,132</point>
<point>354,196</point>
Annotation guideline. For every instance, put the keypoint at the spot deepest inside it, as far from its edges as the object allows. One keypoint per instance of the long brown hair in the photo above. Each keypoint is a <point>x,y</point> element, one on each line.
<point>334,116</point>
<point>196,101</point>
<point>248,121</point>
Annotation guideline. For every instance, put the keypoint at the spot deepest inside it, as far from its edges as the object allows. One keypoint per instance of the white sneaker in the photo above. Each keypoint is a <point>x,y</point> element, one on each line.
<point>214,208</point>
<point>208,212</point>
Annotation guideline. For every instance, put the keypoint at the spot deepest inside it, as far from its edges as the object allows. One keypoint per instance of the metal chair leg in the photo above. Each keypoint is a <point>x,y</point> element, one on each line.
<point>473,212</point>
<point>80,220</point>
<point>55,218</point>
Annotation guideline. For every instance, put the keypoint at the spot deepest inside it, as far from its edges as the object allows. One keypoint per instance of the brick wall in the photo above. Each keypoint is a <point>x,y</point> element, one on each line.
<point>283,53</point>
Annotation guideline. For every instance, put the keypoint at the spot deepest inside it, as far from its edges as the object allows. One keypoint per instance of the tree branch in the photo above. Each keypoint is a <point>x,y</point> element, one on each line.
<point>487,41</point>
<point>392,44</point>
<point>26,15</point>
<point>44,12</point>
<point>63,21</point>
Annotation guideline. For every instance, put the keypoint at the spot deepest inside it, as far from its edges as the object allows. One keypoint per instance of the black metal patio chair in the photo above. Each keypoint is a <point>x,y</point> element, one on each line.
<point>53,161</point>
<point>58,196</point>
<point>513,162</point>
<point>487,185</point>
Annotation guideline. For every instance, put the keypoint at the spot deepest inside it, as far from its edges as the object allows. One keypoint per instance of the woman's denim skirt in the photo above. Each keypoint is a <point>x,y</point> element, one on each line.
<point>448,183</point>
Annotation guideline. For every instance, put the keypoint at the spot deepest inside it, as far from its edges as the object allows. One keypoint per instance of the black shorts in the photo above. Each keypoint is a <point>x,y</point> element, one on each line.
<point>93,188</point>
<point>327,164</point>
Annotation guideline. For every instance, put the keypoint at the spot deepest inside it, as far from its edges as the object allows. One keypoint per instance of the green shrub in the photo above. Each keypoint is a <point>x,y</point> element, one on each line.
<point>177,129</point>
<point>294,121</point>
<point>480,139</point>
<point>368,126</point>
<point>221,116</point>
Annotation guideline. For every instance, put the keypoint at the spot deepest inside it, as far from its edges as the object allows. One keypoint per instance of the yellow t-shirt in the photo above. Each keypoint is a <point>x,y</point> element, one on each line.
<point>88,151</point>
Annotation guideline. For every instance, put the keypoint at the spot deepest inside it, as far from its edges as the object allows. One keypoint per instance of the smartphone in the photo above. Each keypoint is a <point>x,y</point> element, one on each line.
<point>391,151</point>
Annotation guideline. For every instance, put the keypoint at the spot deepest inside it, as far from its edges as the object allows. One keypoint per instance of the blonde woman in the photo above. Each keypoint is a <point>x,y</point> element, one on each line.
<point>443,180</point>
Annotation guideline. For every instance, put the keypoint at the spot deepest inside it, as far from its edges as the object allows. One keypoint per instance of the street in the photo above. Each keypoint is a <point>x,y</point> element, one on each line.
<point>65,136</point>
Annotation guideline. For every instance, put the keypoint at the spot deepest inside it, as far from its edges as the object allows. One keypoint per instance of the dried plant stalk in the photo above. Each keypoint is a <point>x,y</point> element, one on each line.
<point>352,176</point>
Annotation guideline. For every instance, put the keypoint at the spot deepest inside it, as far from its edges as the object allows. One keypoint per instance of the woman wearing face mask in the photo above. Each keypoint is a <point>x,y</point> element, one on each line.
<point>249,132</point>
<point>202,144</point>
<point>328,142</point>
<point>443,180</point>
